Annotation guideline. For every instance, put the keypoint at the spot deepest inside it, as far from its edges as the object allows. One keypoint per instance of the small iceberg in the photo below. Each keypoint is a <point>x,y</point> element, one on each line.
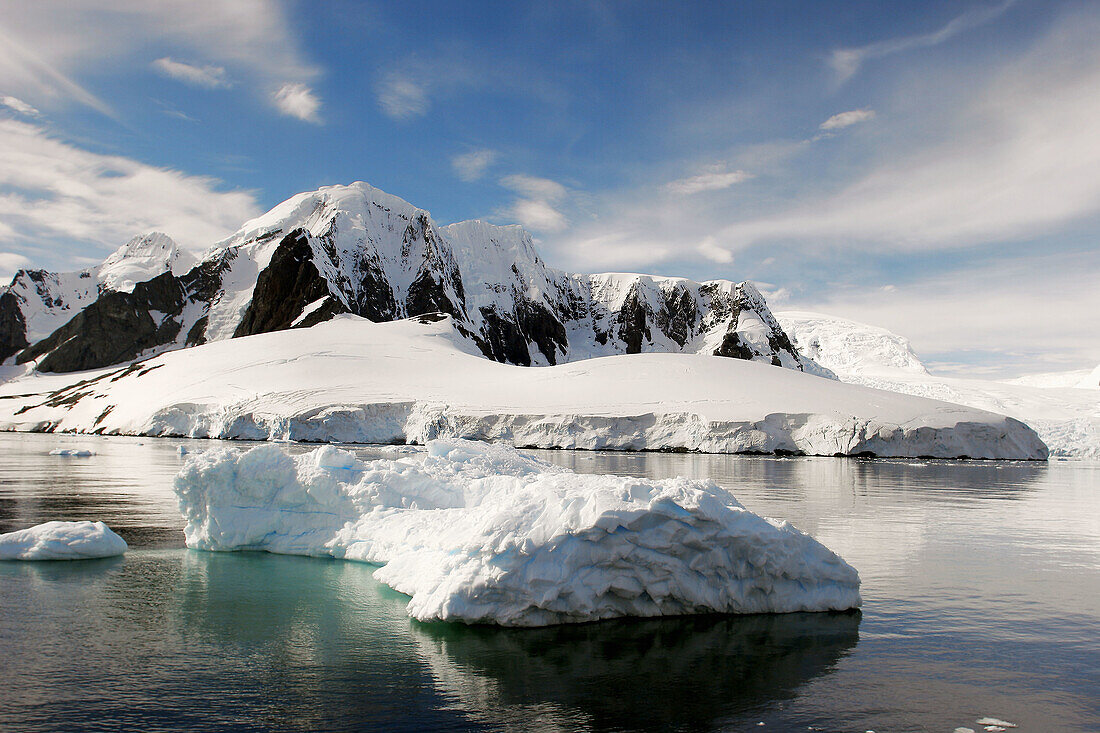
<point>482,533</point>
<point>74,452</point>
<point>61,541</point>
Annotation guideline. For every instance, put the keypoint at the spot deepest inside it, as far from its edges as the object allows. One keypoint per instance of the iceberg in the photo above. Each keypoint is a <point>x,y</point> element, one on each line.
<point>61,541</point>
<point>73,452</point>
<point>482,533</point>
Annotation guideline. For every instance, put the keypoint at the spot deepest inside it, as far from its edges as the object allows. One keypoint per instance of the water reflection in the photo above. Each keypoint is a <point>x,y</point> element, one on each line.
<point>799,476</point>
<point>980,581</point>
<point>686,673</point>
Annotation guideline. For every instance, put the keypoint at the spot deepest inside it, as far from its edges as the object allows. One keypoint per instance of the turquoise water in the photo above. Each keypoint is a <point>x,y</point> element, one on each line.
<point>981,586</point>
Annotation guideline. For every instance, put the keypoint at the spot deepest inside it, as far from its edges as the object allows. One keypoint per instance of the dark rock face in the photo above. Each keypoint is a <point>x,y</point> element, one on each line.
<point>13,326</point>
<point>115,328</point>
<point>286,286</point>
<point>634,322</point>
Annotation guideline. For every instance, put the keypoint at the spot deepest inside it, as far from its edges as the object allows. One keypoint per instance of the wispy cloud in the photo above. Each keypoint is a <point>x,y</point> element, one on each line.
<point>60,202</point>
<point>10,262</point>
<point>401,97</point>
<point>251,40</point>
<point>18,105</point>
<point>847,119</point>
<point>1019,160</point>
<point>966,312</point>
<point>298,100</point>
<point>537,207</point>
<point>711,250</point>
<point>472,165</point>
<point>847,61</point>
<point>208,76</point>
<point>714,180</point>
<point>534,187</point>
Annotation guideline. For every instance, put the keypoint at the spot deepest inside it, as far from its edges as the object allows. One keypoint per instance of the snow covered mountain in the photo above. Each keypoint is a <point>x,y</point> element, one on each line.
<point>1064,409</point>
<point>37,302</point>
<point>355,249</point>
<point>1077,379</point>
<point>848,347</point>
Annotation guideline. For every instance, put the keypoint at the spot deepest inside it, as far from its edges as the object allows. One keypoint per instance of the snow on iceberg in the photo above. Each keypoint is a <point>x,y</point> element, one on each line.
<point>61,541</point>
<point>479,533</point>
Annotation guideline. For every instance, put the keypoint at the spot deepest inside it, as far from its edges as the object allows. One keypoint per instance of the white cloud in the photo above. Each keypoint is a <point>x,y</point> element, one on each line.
<point>40,57</point>
<point>538,216</point>
<point>1032,314</point>
<point>208,76</point>
<point>19,106</point>
<point>537,207</point>
<point>847,119</point>
<point>10,262</point>
<point>714,252</point>
<point>60,202</point>
<point>401,97</point>
<point>1020,161</point>
<point>534,187</point>
<point>298,100</point>
<point>711,181</point>
<point>847,61</point>
<point>472,165</point>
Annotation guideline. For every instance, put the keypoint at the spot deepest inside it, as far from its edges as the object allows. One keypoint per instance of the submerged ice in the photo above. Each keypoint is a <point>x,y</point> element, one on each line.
<point>477,533</point>
<point>61,541</point>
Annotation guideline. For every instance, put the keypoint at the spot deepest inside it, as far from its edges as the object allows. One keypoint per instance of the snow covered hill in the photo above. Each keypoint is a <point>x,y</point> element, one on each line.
<point>1079,379</point>
<point>1065,412</point>
<point>37,302</point>
<point>419,379</point>
<point>355,249</point>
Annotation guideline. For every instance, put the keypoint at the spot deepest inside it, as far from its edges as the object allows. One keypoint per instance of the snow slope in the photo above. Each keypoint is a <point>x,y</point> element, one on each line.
<point>1067,418</point>
<point>1080,379</point>
<point>61,541</point>
<point>482,533</point>
<point>353,380</point>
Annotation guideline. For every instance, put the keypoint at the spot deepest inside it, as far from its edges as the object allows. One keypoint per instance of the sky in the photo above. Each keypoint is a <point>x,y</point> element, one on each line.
<point>932,168</point>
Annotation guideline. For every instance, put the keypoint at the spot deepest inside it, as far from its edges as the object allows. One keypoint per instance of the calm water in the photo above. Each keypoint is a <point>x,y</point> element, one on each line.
<point>981,584</point>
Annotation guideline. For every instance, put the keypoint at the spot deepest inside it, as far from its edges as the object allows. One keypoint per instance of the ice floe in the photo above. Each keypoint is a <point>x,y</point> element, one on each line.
<point>476,532</point>
<point>61,541</point>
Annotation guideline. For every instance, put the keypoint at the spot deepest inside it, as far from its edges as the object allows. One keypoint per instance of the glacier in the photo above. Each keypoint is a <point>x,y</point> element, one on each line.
<point>411,381</point>
<point>482,533</point>
<point>61,541</point>
<point>1064,409</point>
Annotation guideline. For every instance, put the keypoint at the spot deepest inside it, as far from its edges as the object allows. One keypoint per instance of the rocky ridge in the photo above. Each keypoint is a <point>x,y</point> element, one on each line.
<point>355,249</point>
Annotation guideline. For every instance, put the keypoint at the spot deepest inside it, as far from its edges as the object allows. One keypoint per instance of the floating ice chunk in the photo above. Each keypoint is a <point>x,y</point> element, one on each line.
<point>483,533</point>
<point>75,452</point>
<point>964,730</point>
<point>61,541</point>
<point>182,450</point>
<point>995,722</point>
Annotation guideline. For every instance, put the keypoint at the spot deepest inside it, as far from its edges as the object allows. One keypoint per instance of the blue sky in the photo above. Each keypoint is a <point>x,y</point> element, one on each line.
<point>930,167</point>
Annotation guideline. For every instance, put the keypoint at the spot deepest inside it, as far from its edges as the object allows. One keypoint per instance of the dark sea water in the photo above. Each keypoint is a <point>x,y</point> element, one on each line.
<point>981,583</point>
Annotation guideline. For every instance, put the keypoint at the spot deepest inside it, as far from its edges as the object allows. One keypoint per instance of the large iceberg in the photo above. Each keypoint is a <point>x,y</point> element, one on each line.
<point>482,533</point>
<point>61,541</point>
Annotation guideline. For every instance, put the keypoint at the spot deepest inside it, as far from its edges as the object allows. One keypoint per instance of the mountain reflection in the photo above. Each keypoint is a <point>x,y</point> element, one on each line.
<point>680,673</point>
